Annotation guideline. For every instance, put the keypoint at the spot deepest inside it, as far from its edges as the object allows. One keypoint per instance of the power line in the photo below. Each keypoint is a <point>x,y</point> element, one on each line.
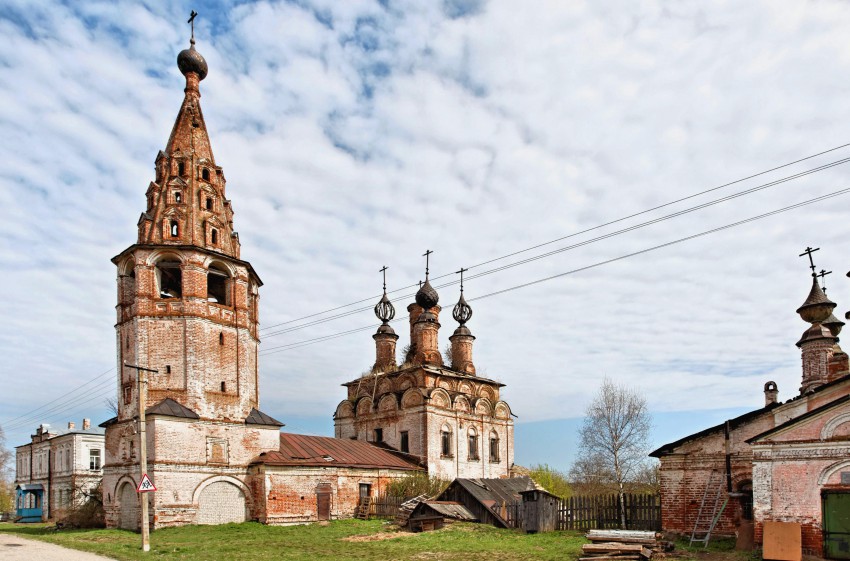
<point>102,390</point>
<point>306,342</point>
<point>582,243</point>
<point>101,375</point>
<point>694,195</point>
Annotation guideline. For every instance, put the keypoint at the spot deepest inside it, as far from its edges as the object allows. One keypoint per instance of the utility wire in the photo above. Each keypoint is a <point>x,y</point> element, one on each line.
<point>27,417</point>
<point>298,344</point>
<point>65,396</point>
<point>60,408</point>
<point>694,195</point>
<point>582,243</point>
<point>71,406</point>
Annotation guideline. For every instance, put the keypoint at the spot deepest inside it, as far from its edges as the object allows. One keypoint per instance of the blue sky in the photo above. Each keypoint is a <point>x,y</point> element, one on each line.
<point>359,134</point>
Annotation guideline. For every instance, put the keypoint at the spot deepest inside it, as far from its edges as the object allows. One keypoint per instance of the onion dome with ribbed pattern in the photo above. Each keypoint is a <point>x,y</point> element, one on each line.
<point>427,297</point>
<point>190,60</point>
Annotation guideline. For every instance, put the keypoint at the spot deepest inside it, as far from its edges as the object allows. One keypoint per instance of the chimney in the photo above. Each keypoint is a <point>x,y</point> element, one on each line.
<point>71,425</point>
<point>771,393</point>
<point>86,424</point>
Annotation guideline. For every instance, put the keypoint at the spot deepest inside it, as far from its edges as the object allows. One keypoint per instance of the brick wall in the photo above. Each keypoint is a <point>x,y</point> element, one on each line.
<point>290,492</point>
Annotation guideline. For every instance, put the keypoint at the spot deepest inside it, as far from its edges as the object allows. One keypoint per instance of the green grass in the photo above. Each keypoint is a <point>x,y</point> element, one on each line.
<point>720,548</point>
<point>314,542</point>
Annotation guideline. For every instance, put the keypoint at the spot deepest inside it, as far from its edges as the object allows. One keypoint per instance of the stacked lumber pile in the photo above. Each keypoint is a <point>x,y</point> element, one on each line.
<point>405,509</point>
<point>622,545</point>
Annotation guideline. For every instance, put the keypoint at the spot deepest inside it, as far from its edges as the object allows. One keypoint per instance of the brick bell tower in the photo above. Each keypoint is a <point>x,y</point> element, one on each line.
<point>187,308</point>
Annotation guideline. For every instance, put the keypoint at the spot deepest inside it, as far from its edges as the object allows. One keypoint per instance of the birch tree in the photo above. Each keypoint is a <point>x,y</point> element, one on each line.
<point>615,436</point>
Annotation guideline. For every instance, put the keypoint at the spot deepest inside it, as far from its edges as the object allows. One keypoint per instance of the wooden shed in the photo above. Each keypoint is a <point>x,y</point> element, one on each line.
<point>488,499</point>
<point>539,511</point>
<point>431,515</point>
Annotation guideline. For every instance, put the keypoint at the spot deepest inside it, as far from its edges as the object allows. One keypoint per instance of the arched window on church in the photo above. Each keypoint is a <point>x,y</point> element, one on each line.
<point>169,278</point>
<point>181,169</point>
<point>175,229</point>
<point>218,284</point>
<point>205,173</point>
<point>472,440</point>
<point>127,282</point>
<point>494,446</point>
<point>214,236</point>
<point>446,442</point>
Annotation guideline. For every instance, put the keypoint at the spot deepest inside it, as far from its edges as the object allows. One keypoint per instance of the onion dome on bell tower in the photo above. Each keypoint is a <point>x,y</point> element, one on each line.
<point>385,338</point>
<point>424,322</point>
<point>816,344</point>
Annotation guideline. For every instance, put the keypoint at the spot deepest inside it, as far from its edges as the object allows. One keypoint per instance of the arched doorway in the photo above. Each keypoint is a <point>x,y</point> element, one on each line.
<point>128,502</point>
<point>221,502</point>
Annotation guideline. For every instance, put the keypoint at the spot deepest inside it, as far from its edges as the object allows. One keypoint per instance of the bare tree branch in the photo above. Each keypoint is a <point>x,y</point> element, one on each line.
<point>614,439</point>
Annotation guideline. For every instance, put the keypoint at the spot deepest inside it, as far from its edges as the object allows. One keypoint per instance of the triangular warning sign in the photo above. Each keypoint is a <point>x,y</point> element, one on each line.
<point>145,485</point>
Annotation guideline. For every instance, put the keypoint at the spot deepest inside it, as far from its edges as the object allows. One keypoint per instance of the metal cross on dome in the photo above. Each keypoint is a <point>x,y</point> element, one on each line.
<point>427,256</point>
<point>462,271</point>
<point>384,271</point>
<point>809,252</point>
<point>191,21</point>
<point>822,276</point>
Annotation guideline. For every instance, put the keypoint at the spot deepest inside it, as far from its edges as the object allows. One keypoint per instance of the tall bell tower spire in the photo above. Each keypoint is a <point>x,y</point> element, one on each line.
<point>186,203</point>
<point>188,311</point>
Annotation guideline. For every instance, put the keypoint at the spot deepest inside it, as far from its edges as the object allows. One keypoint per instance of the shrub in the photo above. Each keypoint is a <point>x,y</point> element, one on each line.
<point>87,514</point>
<point>417,484</point>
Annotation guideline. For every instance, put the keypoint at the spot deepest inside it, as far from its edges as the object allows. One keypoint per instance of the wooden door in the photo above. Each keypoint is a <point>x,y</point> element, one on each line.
<point>323,501</point>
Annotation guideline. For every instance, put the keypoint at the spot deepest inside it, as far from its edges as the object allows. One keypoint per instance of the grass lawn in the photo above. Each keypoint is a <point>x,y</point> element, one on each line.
<point>343,539</point>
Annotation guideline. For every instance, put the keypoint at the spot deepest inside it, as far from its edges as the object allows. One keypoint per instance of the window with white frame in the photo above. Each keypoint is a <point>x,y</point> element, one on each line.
<point>94,459</point>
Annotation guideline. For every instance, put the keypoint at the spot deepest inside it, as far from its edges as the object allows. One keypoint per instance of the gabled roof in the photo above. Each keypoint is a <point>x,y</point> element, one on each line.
<point>800,419</point>
<point>170,408</point>
<point>498,490</point>
<point>257,417</point>
<point>738,421</point>
<point>305,450</point>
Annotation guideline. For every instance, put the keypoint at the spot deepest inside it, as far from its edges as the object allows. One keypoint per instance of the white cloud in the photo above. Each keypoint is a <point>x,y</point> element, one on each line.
<point>354,136</point>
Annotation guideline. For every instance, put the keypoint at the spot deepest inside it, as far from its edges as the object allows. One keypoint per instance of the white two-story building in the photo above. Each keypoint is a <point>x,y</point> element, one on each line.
<point>57,469</point>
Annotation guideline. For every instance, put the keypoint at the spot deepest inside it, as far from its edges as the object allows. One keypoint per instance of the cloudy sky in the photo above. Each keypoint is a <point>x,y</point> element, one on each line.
<point>359,134</point>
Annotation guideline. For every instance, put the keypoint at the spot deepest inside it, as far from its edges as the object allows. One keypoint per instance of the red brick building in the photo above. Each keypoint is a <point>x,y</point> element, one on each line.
<point>443,416</point>
<point>773,463</point>
<point>188,308</point>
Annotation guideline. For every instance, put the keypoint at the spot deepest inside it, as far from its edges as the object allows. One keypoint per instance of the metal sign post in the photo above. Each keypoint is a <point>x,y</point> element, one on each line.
<point>144,481</point>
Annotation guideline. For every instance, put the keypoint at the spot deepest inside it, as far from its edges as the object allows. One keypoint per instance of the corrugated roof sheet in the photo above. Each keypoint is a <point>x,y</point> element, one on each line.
<point>304,450</point>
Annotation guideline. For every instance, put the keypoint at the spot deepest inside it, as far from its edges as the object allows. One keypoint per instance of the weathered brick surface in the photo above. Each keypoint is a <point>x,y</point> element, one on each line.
<point>202,338</point>
<point>424,401</point>
<point>290,493</point>
<point>789,469</point>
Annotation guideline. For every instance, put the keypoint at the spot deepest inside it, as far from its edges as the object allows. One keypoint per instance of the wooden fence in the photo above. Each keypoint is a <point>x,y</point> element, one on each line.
<point>643,512</point>
<point>384,506</point>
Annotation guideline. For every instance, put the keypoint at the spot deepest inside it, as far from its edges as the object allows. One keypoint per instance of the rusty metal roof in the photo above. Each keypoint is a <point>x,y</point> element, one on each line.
<point>304,450</point>
<point>171,408</point>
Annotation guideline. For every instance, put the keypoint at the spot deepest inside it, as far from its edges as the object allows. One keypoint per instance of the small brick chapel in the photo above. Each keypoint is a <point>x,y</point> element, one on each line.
<point>785,462</point>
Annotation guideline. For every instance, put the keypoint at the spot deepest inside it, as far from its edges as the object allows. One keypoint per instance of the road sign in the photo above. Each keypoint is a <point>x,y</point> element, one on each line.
<point>145,485</point>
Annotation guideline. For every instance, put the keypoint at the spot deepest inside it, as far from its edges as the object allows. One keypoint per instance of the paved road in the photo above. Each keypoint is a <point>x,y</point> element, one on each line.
<point>13,548</point>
